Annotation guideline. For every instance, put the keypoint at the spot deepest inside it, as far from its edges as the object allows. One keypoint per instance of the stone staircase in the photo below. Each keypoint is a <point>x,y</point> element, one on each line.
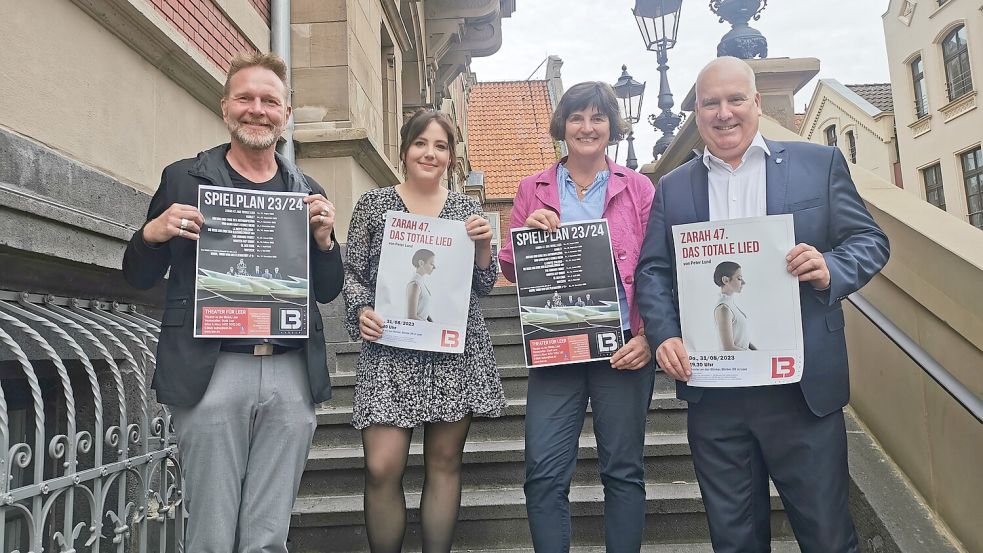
<point>328,511</point>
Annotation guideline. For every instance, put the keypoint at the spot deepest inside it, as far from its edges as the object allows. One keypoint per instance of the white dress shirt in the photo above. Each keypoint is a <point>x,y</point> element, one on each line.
<point>737,193</point>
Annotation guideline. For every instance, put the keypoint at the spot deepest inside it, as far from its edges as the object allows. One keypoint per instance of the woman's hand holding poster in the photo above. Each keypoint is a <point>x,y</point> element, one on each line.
<point>423,289</point>
<point>738,305</point>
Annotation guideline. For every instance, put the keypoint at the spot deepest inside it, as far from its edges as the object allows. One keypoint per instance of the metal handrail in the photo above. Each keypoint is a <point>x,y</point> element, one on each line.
<point>959,392</point>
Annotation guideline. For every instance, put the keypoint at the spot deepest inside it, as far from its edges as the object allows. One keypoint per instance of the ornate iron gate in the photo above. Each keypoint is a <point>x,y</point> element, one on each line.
<point>103,480</point>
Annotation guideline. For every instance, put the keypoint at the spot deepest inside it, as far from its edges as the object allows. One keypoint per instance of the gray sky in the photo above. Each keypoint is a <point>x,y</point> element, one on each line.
<point>594,38</point>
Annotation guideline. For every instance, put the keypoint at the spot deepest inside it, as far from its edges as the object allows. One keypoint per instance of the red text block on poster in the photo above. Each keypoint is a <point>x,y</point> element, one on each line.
<point>562,349</point>
<point>235,321</point>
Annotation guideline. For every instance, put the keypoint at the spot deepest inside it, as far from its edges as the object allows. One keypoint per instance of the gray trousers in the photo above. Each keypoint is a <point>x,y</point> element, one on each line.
<point>243,448</point>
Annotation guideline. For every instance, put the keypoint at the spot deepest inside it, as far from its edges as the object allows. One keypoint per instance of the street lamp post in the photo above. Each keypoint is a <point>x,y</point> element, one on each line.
<point>630,93</point>
<point>742,41</point>
<point>658,22</point>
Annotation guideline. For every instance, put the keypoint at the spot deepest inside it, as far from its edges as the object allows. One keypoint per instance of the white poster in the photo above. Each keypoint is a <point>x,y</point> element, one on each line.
<point>738,305</point>
<point>423,289</point>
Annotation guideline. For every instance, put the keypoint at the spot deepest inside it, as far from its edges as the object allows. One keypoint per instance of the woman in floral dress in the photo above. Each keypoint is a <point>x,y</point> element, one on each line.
<point>399,389</point>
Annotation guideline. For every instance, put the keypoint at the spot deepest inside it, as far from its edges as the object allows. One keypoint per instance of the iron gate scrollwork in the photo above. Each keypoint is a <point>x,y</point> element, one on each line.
<point>107,479</point>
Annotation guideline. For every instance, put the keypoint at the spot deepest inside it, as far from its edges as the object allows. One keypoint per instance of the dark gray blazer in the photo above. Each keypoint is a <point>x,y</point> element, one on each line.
<point>185,363</point>
<point>811,182</point>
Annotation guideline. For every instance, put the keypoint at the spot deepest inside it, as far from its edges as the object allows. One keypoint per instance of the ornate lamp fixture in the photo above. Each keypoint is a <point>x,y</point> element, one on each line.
<point>742,41</point>
<point>658,22</point>
<point>630,93</point>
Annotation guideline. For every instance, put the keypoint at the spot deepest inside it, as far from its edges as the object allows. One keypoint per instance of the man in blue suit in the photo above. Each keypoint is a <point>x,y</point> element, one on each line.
<point>793,433</point>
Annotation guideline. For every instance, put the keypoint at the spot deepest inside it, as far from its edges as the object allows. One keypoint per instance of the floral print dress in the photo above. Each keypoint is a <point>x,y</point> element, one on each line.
<point>403,387</point>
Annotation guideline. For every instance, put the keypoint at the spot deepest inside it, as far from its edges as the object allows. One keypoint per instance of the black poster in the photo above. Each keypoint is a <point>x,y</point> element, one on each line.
<point>252,264</point>
<point>568,294</point>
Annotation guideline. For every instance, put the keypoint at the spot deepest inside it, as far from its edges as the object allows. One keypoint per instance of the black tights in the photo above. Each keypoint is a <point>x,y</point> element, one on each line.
<point>386,450</point>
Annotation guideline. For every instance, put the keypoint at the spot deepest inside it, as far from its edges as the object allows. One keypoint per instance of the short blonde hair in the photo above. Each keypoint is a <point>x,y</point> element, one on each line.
<point>245,60</point>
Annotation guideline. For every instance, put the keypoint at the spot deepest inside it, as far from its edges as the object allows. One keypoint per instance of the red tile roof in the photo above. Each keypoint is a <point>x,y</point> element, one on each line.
<point>878,94</point>
<point>509,133</point>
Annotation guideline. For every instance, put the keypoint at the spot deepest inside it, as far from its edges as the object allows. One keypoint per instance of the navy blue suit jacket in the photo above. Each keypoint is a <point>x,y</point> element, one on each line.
<point>811,182</point>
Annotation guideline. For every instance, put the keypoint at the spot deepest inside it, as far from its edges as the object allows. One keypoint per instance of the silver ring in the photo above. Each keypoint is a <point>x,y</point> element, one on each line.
<point>184,223</point>
<point>181,233</point>
<point>321,220</point>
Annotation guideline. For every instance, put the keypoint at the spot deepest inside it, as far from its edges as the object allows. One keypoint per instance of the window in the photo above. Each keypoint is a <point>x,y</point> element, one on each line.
<point>918,83</point>
<point>972,162</point>
<point>494,219</point>
<point>955,53</point>
<point>831,135</point>
<point>852,141</point>
<point>933,185</point>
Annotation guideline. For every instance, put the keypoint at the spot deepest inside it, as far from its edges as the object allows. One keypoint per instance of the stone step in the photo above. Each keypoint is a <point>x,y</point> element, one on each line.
<point>502,320</point>
<point>496,518</point>
<point>491,464</point>
<point>667,415</point>
<point>500,296</point>
<point>776,547</point>
<point>514,381</point>
<point>508,352</point>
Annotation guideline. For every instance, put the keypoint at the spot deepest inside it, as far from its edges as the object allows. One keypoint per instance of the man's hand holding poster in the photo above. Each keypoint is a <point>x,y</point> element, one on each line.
<point>738,305</point>
<point>252,264</point>
<point>568,295</point>
<point>423,288</point>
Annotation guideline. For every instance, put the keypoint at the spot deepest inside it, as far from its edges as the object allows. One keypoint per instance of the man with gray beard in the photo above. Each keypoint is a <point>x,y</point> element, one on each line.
<point>243,409</point>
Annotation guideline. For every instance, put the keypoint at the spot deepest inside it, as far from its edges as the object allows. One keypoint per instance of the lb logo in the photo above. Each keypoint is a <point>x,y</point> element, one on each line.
<point>607,342</point>
<point>450,339</point>
<point>782,367</point>
<point>291,319</point>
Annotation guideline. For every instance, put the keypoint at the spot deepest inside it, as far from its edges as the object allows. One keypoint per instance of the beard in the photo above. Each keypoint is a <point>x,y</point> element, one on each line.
<point>256,139</point>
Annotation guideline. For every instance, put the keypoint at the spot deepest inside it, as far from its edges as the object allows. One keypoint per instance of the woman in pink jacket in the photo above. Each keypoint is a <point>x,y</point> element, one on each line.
<point>587,185</point>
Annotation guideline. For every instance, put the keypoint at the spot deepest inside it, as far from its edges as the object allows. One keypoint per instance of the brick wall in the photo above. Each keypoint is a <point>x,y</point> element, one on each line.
<point>263,7</point>
<point>205,26</point>
<point>504,210</point>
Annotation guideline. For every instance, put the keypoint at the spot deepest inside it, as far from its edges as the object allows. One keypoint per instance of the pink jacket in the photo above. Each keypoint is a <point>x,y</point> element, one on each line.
<point>626,208</point>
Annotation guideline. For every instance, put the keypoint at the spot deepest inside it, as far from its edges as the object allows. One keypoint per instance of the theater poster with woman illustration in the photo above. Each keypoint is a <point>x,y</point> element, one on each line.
<point>738,305</point>
<point>423,290</point>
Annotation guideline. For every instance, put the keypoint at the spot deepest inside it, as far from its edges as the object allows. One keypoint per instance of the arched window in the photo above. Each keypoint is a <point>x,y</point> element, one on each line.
<point>955,53</point>
<point>852,142</point>
<point>918,83</point>
<point>831,135</point>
